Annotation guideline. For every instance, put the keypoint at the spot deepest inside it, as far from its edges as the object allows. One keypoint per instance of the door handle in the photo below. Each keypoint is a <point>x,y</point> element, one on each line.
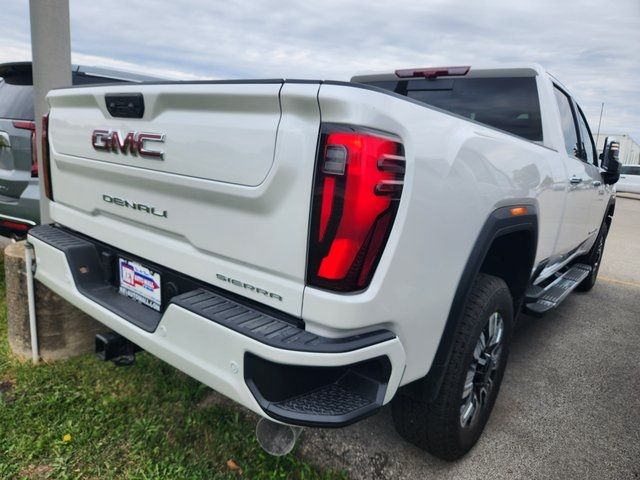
<point>5,142</point>
<point>596,183</point>
<point>575,180</point>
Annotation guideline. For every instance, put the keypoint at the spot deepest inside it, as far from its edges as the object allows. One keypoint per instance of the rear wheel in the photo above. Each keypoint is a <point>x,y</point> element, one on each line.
<point>449,426</point>
<point>594,259</point>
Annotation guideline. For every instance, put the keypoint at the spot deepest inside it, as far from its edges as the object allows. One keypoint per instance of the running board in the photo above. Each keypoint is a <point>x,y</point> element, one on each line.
<point>539,300</point>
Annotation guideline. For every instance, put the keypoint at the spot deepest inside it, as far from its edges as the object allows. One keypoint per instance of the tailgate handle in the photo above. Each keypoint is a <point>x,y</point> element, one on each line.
<point>125,105</point>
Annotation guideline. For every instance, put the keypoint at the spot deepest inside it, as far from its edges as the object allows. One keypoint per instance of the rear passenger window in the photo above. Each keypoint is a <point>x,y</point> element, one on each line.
<point>507,103</point>
<point>16,101</point>
<point>587,148</point>
<point>568,123</point>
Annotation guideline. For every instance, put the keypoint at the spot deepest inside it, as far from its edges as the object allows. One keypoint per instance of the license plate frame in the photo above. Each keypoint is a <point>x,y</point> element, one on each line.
<point>140,283</point>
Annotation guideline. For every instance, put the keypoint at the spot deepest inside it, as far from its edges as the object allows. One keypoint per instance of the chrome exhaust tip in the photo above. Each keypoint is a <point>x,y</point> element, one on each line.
<point>276,439</point>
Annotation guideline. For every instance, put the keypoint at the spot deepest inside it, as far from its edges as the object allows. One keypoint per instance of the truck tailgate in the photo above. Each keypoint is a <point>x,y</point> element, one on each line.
<point>227,203</point>
<point>224,133</point>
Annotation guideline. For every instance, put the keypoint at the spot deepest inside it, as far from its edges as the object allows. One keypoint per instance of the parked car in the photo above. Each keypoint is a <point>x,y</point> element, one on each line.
<point>629,179</point>
<point>317,249</point>
<point>19,176</point>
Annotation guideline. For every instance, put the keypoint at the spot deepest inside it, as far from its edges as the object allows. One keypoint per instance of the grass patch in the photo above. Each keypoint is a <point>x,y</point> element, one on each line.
<point>85,419</point>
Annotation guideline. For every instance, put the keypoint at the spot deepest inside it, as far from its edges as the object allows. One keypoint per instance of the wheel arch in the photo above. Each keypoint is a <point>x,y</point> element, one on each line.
<point>506,239</point>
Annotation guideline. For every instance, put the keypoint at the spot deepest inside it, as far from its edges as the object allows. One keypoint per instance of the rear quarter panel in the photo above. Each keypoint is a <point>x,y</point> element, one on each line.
<point>458,172</point>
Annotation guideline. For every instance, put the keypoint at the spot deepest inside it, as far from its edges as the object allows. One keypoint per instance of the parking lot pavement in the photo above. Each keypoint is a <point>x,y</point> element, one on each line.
<point>569,406</point>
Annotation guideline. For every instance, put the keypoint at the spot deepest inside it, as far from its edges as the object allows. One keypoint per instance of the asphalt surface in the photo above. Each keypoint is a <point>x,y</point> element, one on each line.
<point>569,407</point>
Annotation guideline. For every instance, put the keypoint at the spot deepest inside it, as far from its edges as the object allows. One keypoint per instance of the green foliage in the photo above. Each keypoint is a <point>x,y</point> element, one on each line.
<point>85,419</point>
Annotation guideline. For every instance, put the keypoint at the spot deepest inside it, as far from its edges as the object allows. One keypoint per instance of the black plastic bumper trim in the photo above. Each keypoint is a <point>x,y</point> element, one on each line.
<point>316,396</point>
<point>92,265</point>
<point>268,329</point>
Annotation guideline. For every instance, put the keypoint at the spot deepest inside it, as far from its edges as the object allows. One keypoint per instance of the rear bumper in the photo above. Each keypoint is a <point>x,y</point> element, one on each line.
<point>25,210</point>
<point>259,358</point>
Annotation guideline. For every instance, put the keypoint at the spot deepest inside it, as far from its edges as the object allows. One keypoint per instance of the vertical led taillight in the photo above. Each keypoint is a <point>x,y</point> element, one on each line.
<point>46,166</point>
<point>358,183</point>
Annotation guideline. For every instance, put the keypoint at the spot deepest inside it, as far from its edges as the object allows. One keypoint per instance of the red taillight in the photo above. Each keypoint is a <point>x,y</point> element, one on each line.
<point>15,226</point>
<point>25,125</point>
<point>358,183</point>
<point>29,125</point>
<point>433,72</point>
<point>46,168</point>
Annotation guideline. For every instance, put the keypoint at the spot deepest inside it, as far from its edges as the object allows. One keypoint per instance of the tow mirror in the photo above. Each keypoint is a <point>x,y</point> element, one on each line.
<point>610,161</point>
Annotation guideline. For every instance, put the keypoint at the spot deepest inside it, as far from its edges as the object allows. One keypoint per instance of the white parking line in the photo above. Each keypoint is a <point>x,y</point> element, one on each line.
<point>619,282</point>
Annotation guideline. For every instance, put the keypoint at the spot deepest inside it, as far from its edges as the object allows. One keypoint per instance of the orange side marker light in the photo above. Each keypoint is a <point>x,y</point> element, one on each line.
<point>518,211</point>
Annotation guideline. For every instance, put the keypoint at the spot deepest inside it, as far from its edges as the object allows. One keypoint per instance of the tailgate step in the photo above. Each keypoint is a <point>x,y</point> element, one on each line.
<point>333,399</point>
<point>540,300</point>
<point>327,396</point>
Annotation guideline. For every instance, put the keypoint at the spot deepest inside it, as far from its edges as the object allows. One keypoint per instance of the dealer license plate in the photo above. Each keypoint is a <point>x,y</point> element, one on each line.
<point>140,283</point>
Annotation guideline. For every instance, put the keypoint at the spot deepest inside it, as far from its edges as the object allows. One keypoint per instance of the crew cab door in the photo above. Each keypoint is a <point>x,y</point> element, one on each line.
<point>589,156</point>
<point>576,223</point>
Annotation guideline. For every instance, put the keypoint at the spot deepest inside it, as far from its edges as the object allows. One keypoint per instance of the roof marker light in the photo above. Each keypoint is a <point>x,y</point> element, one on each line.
<point>433,72</point>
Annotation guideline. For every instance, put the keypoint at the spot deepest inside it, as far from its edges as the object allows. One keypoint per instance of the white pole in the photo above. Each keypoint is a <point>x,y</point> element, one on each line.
<point>28,266</point>
<point>51,52</point>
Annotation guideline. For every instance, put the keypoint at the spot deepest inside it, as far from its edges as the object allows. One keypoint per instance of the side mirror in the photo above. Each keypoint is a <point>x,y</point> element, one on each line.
<point>610,162</point>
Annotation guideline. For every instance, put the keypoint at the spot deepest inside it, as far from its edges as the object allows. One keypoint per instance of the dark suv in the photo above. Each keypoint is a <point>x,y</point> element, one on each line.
<point>19,190</point>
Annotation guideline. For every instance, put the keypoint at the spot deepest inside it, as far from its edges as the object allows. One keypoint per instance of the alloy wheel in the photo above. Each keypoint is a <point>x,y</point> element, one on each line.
<point>480,379</point>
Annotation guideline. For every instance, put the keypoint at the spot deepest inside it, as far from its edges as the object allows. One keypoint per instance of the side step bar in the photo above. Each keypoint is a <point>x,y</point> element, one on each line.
<point>539,300</point>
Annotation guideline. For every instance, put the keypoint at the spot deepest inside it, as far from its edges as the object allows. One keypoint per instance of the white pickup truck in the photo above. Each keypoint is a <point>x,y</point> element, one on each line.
<point>315,249</point>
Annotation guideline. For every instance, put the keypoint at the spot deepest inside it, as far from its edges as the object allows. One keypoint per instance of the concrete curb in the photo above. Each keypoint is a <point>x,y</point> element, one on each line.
<point>63,330</point>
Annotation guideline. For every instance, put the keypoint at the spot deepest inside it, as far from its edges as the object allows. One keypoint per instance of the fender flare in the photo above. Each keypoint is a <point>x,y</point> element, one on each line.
<point>611,207</point>
<point>500,222</point>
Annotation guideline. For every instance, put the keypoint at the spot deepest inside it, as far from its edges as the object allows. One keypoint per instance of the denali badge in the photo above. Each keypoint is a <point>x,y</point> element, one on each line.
<point>141,207</point>
<point>238,283</point>
<point>133,142</point>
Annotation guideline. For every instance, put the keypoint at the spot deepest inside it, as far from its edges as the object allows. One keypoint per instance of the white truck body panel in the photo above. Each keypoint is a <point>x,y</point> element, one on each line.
<point>236,183</point>
<point>457,171</point>
<point>256,233</point>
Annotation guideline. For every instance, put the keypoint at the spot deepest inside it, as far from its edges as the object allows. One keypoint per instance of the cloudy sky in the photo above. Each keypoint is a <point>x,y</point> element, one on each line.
<point>593,46</point>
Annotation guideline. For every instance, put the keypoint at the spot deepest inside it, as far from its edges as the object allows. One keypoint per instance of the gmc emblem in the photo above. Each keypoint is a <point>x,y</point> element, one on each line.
<point>133,142</point>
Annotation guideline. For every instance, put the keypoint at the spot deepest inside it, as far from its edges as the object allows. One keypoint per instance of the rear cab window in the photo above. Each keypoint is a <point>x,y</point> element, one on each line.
<point>81,78</point>
<point>16,98</point>
<point>630,170</point>
<point>510,104</point>
<point>16,91</point>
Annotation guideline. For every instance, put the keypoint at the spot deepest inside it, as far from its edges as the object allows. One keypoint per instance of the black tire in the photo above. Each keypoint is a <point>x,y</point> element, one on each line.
<point>437,426</point>
<point>594,259</point>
